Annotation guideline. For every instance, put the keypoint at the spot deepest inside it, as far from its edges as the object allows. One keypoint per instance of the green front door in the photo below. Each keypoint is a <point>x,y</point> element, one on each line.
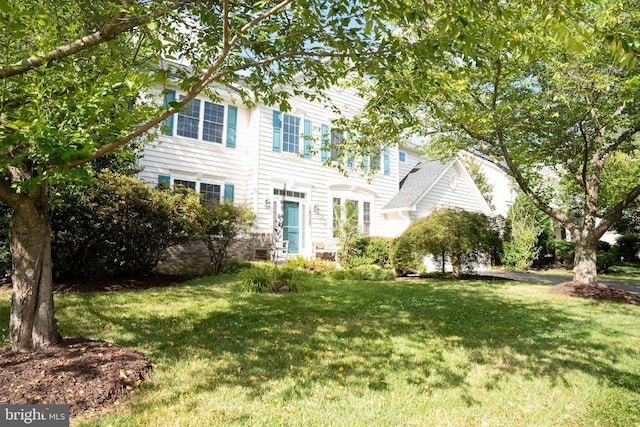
<point>291,231</point>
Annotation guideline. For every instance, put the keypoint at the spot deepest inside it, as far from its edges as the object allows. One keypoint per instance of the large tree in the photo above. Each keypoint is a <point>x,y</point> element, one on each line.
<point>72,73</point>
<point>551,91</point>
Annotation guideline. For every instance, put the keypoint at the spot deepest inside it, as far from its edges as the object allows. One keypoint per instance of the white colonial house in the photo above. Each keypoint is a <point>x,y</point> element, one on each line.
<point>274,162</point>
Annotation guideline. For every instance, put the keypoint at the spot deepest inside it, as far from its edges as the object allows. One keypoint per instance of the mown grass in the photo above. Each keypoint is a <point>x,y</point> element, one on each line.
<point>428,352</point>
<point>627,272</point>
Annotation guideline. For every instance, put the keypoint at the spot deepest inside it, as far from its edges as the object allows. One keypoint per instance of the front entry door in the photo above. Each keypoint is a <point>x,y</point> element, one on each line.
<point>291,230</point>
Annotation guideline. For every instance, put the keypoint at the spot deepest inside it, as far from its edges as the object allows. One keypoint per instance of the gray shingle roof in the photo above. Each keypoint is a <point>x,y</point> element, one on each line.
<point>416,183</point>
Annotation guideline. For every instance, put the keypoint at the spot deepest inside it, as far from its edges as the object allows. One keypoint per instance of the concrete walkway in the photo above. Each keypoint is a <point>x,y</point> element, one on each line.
<point>554,279</point>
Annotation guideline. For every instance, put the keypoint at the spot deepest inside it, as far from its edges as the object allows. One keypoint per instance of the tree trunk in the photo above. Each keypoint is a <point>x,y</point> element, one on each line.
<point>455,265</point>
<point>585,270</point>
<point>32,322</point>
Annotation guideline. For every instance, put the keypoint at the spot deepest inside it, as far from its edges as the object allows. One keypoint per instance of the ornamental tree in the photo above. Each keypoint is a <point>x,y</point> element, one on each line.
<point>448,234</point>
<point>549,90</point>
<point>71,78</point>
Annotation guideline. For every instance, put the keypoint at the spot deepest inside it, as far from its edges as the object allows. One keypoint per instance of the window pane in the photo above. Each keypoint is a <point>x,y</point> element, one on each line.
<point>336,216</point>
<point>403,156</point>
<point>351,211</point>
<point>366,218</point>
<point>213,122</point>
<point>180,186</point>
<point>210,192</point>
<point>188,119</point>
<point>290,134</point>
<point>375,159</point>
<point>336,139</point>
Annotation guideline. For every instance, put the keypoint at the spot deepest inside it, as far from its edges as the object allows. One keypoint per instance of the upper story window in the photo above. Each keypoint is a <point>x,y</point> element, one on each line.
<point>337,138</point>
<point>375,158</point>
<point>212,122</point>
<point>202,120</point>
<point>290,133</point>
<point>196,122</point>
<point>402,156</point>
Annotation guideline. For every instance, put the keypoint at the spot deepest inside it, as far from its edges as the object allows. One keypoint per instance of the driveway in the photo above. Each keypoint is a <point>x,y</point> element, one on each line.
<point>555,279</point>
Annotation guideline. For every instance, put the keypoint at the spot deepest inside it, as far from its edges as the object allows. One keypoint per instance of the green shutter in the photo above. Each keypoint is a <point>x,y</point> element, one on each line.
<point>387,161</point>
<point>164,179</point>
<point>228,192</point>
<point>365,162</point>
<point>350,159</point>
<point>307,138</point>
<point>232,121</point>
<point>277,130</point>
<point>324,153</point>
<point>167,127</point>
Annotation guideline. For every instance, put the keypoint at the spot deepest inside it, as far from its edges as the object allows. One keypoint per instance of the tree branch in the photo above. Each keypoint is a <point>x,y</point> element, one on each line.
<point>581,176</point>
<point>616,213</point>
<point>210,76</point>
<point>117,26</point>
<point>522,183</point>
<point>624,137</point>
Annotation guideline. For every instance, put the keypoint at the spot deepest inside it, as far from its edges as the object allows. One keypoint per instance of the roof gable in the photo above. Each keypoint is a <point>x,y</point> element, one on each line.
<point>422,179</point>
<point>417,183</point>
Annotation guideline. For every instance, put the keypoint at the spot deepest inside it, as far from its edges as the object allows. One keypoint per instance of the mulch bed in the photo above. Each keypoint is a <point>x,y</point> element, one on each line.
<point>87,375</point>
<point>84,374</point>
<point>597,291</point>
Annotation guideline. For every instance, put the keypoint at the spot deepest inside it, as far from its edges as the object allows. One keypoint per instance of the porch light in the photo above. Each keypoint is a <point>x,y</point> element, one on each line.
<point>267,203</point>
<point>316,209</point>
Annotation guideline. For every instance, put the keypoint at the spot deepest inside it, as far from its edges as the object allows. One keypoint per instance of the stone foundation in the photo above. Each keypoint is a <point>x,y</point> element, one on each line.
<point>193,257</point>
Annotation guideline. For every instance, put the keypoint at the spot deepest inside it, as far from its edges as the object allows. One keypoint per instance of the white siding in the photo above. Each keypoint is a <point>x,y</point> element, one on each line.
<point>308,175</point>
<point>412,158</point>
<point>256,170</point>
<point>445,193</point>
<point>187,158</point>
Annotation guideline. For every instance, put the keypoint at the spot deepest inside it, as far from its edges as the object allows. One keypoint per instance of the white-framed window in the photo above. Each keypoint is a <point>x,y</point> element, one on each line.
<point>337,137</point>
<point>210,192</point>
<point>375,158</point>
<point>201,120</point>
<point>356,206</point>
<point>290,133</point>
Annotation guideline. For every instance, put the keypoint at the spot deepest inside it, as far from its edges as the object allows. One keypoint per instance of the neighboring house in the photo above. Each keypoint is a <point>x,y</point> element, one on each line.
<point>429,185</point>
<point>274,162</point>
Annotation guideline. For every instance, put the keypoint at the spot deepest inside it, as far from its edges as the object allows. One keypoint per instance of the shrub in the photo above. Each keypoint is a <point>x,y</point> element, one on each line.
<point>235,267</point>
<point>605,260</point>
<point>565,252</point>
<point>347,230</point>
<point>258,278</point>
<point>528,234</point>
<point>627,246</point>
<point>265,278</point>
<point>370,250</point>
<point>219,225</point>
<point>407,253</point>
<point>312,265</point>
<point>117,226</point>
<point>448,234</point>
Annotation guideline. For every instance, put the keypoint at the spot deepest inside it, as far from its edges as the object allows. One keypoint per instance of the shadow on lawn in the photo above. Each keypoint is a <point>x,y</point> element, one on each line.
<point>363,335</point>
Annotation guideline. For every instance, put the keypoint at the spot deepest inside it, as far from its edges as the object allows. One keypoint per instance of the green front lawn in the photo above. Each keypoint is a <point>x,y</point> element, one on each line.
<point>419,353</point>
<point>627,272</point>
